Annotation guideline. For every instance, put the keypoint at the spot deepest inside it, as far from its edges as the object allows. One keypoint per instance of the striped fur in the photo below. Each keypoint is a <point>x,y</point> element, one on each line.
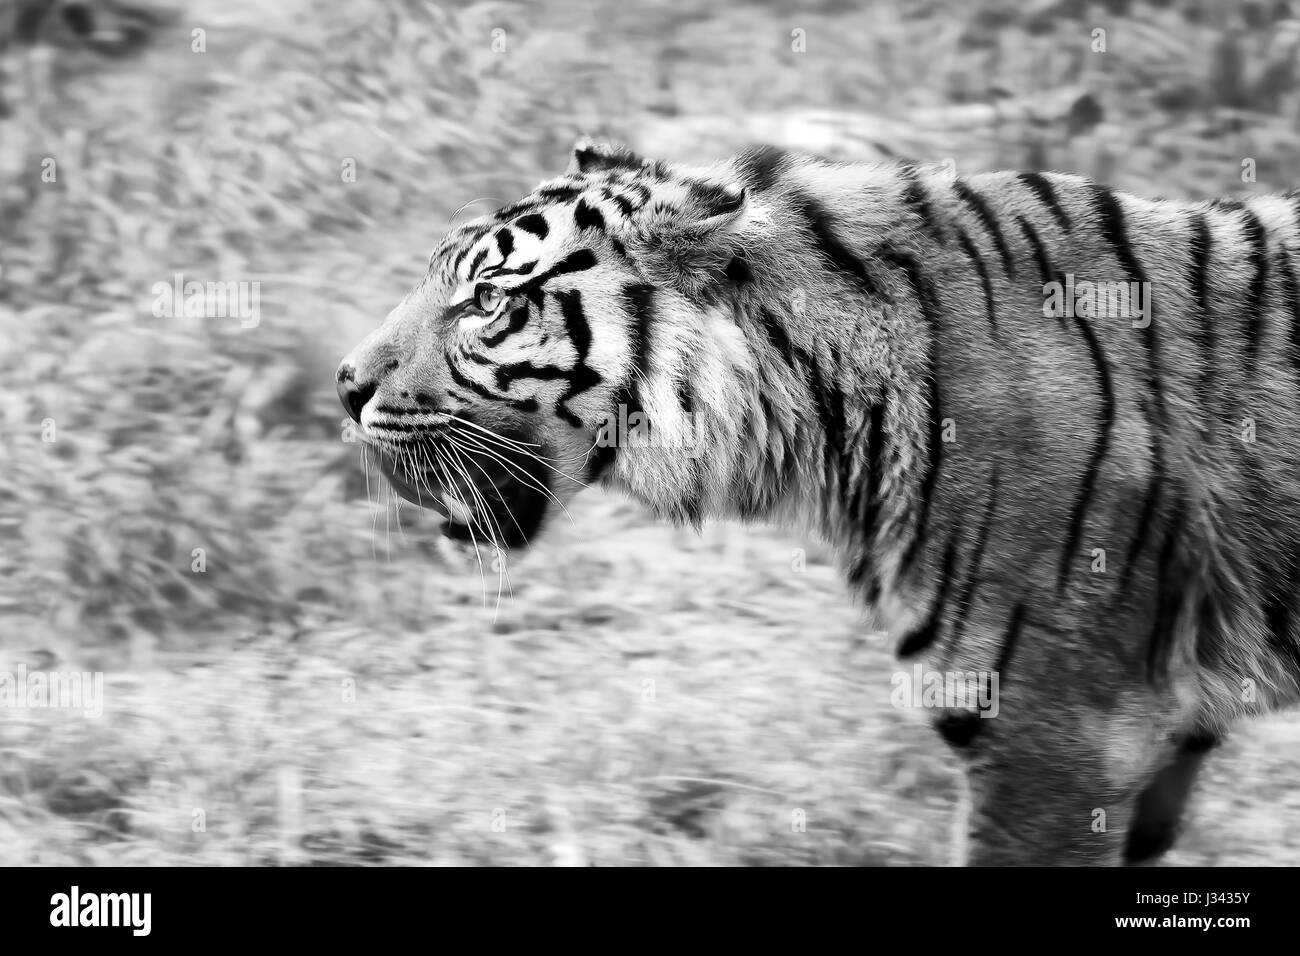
<point>864,350</point>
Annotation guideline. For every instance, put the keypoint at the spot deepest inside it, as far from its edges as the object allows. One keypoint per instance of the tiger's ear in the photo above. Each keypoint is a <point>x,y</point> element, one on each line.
<point>701,244</point>
<point>714,205</point>
<point>590,156</point>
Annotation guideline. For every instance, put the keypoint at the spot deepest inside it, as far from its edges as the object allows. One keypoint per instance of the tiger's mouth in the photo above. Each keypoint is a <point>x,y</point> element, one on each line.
<point>488,494</point>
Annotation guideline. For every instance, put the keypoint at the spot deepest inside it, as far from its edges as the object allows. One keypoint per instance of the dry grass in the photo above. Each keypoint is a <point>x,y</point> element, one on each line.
<point>644,695</point>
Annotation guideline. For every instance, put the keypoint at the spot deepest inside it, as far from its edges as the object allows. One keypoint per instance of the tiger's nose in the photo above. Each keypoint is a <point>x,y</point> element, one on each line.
<point>353,394</point>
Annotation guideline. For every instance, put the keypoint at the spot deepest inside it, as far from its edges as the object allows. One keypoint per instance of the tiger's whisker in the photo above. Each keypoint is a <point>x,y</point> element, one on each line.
<point>531,481</point>
<point>523,448</point>
<point>469,525</point>
<point>536,458</point>
<point>503,573</point>
<point>466,455</point>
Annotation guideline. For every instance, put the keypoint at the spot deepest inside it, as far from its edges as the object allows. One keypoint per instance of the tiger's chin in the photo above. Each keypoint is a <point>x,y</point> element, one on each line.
<point>491,500</point>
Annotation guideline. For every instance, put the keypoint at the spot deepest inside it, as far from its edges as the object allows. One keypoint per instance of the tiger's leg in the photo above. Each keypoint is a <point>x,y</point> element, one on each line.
<point>1161,804</point>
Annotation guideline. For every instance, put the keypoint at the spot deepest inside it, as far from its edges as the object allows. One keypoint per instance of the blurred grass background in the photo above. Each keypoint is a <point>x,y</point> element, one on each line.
<point>644,695</point>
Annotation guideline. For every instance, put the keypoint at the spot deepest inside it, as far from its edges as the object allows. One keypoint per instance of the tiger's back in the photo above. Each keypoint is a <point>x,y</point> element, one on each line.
<point>1145,460</point>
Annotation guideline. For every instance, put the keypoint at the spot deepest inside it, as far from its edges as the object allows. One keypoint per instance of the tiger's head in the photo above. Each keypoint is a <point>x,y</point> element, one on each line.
<point>582,333</point>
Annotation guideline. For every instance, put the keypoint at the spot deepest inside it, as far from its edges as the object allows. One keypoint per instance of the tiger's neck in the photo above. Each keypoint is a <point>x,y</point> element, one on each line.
<point>845,446</point>
<point>811,421</point>
<point>806,388</point>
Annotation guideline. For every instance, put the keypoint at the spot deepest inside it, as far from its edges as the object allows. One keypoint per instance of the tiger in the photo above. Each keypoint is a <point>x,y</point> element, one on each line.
<point>1085,498</point>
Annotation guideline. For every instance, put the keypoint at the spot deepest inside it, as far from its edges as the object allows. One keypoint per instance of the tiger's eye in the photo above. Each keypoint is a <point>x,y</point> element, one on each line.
<point>487,296</point>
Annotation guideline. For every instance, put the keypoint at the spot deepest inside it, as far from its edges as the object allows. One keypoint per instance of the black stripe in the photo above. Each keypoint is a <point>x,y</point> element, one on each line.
<point>540,198</point>
<point>737,270</point>
<point>597,159</point>
<point>1201,245</point>
<point>914,196</point>
<point>970,250</point>
<point>638,300</point>
<point>930,314</point>
<point>533,223</point>
<point>582,376</point>
<point>1149,502</point>
<point>601,458</point>
<point>829,246</point>
<point>1113,227</point>
<point>506,375</point>
<point>505,243</point>
<point>833,427</point>
<point>577,261</point>
<point>875,468</point>
<point>1170,588</point>
<point>692,502</point>
<point>1099,448</point>
<point>476,262</point>
<point>1292,289</point>
<point>827,402</point>
<point>524,405</point>
<point>587,217</point>
<point>1040,254</point>
<point>1258,240</point>
<point>618,199</point>
<point>562,193</point>
<point>867,499</point>
<point>1042,188</point>
<point>789,461</point>
<point>685,396</point>
<point>961,729</point>
<point>985,215</point>
<point>514,321</point>
<point>762,166</point>
<point>517,208</point>
<point>714,199</point>
<point>835,402</point>
<point>777,336</point>
<point>966,599</point>
<point>921,638</point>
<point>472,237</point>
<point>522,269</point>
<point>1203,325</point>
<point>1009,641</point>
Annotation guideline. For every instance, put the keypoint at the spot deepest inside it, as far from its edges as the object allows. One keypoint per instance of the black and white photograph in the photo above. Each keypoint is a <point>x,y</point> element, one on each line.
<point>588,433</point>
